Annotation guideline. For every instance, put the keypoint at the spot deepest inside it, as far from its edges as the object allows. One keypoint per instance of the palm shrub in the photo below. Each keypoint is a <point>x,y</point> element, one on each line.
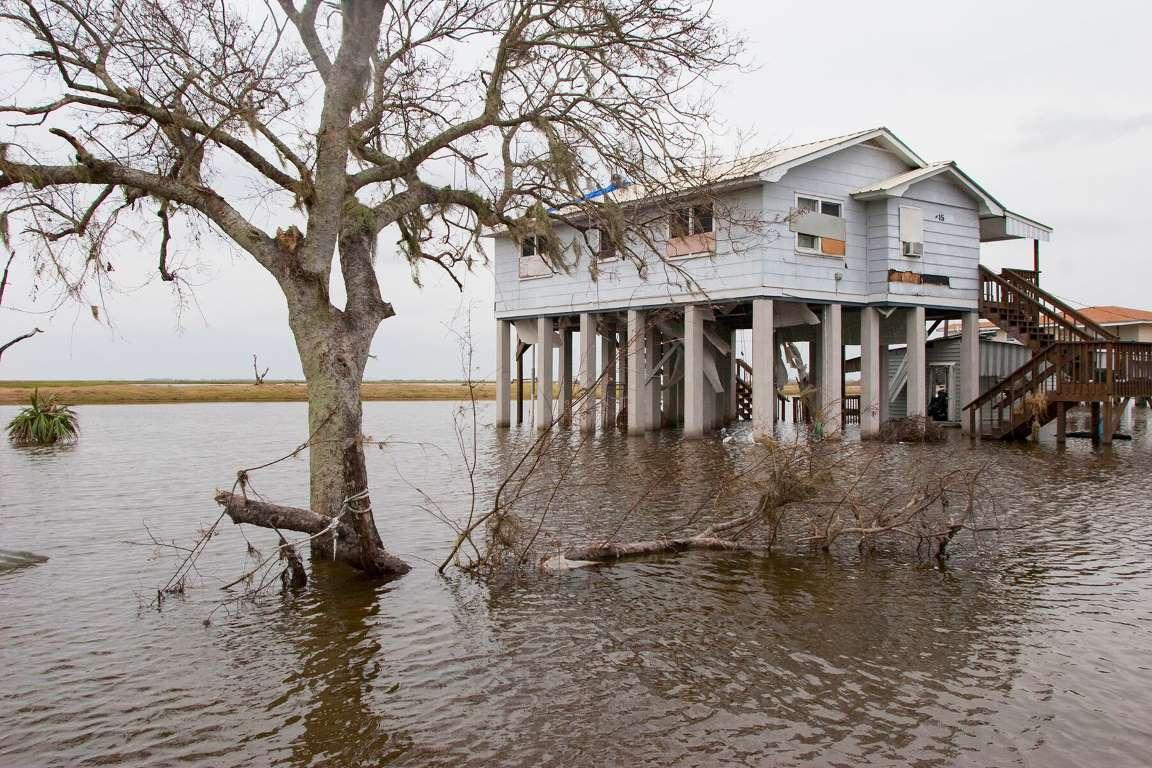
<point>44,422</point>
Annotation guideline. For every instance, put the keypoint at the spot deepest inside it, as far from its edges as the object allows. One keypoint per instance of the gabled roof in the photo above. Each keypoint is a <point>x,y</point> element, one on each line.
<point>1113,315</point>
<point>896,186</point>
<point>771,166</point>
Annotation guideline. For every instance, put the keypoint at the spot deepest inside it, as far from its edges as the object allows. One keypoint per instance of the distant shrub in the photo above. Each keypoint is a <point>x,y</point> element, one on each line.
<point>915,429</point>
<point>44,422</point>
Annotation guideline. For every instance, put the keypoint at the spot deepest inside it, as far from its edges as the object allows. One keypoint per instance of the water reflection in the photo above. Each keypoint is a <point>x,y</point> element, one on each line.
<point>1028,649</point>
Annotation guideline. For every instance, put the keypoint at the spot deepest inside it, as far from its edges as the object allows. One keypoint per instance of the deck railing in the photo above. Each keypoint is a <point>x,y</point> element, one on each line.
<point>1074,371</point>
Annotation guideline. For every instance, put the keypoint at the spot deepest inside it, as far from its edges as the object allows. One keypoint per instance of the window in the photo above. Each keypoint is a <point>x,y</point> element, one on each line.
<point>690,220</point>
<point>911,231</point>
<point>604,247</point>
<point>813,243</point>
<point>533,261</point>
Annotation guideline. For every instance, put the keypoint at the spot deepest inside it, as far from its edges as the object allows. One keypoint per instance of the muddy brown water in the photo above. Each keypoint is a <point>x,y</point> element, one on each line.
<point>1034,649</point>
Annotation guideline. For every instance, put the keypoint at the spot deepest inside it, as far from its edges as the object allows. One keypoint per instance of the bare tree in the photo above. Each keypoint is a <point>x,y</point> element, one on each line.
<point>256,371</point>
<point>347,118</point>
<point>3,287</point>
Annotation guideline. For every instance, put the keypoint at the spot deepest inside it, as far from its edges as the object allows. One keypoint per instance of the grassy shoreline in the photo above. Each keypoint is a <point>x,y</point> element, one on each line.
<point>145,392</point>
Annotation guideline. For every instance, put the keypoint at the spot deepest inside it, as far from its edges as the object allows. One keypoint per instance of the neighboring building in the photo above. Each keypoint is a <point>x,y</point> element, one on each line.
<point>1128,324</point>
<point>876,244</point>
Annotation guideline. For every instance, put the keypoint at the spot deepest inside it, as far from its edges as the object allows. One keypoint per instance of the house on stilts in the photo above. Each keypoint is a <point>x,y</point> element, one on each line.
<point>867,245</point>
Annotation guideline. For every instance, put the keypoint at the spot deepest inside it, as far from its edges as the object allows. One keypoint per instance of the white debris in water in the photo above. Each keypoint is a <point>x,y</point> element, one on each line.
<point>559,564</point>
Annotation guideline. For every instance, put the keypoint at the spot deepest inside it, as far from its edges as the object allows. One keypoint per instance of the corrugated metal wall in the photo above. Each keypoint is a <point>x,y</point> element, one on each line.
<point>997,360</point>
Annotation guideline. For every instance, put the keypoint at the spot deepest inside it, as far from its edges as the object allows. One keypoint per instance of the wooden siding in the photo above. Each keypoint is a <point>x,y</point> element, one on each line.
<point>750,263</point>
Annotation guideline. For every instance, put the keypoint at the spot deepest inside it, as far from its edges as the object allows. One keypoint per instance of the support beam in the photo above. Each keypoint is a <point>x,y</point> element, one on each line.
<point>693,372</point>
<point>763,368</point>
<point>566,355</point>
<point>917,365</point>
<point>589,372</point>
<point>884,390</point>
<point>652,383</point>
<point>503,373</point>
<point>543,373</point>
<point>730,413</point>
<point>1061,422</point>
<point>870,371</point>
<point>521,350</point>
<point>637,408</point>
<point>608,361</point>
<point>969,363</point>
<point>832,358</point>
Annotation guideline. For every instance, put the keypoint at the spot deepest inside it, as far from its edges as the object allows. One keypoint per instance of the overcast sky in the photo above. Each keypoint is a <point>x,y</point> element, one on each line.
<point>1046,104</point>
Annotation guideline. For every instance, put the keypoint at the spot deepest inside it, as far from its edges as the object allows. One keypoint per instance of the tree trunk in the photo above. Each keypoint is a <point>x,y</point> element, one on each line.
<point>333,347</point>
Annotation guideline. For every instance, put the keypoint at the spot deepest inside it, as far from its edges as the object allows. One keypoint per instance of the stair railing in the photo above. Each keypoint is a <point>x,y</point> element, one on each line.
<point>1014,304</point>
<point>1054,307</point>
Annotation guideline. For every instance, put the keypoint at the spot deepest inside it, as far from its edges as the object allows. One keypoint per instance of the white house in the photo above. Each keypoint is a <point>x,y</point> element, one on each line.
<point>854,240</point>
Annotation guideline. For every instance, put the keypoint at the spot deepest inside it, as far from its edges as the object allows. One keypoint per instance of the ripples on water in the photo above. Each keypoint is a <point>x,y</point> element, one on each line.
<point>1031,650</point>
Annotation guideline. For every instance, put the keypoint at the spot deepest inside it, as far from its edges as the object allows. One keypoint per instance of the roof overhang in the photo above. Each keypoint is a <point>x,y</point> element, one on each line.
<point>898,186</point>
<point>1012,226</point>
<point>881,137</point>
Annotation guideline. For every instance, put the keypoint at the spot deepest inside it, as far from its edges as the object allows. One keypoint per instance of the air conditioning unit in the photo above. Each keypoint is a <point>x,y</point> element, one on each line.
<point>913,249</point>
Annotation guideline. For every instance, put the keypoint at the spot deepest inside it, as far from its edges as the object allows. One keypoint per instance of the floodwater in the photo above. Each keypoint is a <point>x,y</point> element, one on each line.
<point>1033,649</point>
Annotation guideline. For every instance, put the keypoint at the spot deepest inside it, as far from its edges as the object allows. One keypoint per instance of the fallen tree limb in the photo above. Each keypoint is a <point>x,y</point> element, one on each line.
<point>347,544</point>
<point>607,550</point>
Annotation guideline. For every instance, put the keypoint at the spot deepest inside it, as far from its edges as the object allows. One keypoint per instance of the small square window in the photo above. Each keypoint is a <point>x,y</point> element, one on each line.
<point>807,242</point>
<point>807,205</point>
<point>830,209</point>
<point>679,223</point>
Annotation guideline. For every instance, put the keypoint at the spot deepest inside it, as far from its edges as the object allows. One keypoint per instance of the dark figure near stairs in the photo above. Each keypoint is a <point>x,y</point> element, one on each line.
<point>938,406</point>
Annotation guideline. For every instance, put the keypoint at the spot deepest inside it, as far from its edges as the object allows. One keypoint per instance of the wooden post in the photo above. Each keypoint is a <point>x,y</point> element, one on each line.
<point>763,367</point>
<point>1036,260</point>
<point>730,414</point>
<point>503,373</point>
<point>622,364</point>
<point>589,372</point>
<point>651,382</point>
<point>566,367</point>
<point>608,361</point>
<point>544,373</point>
<point>637,407</point>
<point>693,372</point>
<point>869,371</point>
<point>969,363</point>
<point>883,390</point>
<point>917,367</point>
<point>832,380</point>
<point>1061,422</point>
<point>521,348</point>
<point>1095,422</point>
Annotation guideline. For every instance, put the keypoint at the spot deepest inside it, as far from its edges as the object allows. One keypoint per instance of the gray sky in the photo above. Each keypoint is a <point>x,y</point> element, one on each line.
<point>1046,104</point>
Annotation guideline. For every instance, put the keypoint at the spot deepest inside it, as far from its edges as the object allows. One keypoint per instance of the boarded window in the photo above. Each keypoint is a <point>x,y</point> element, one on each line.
<point>819,226</point>
<point>911,230</point>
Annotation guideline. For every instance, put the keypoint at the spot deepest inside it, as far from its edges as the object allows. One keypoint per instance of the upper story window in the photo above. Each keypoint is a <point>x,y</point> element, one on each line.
<point>690,220</point>
<point>533,261</point>
<point>605,248</point>
<point>823,234</point>
<point>690,232</point>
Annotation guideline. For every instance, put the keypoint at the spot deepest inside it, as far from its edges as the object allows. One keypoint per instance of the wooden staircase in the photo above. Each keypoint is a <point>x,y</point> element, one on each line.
<point>1074,360</point>
<point>743,390</point>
